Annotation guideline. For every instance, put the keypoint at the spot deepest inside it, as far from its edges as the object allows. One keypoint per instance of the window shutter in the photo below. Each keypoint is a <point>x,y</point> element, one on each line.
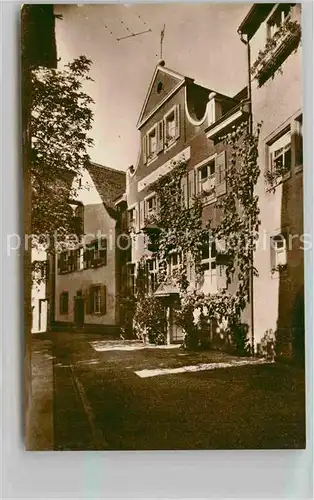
<point>191,186</point>
<point>177,117</point>
<point>104,300</point>
<point>144,148</point>
<point>142,214</point>
<point>184,191</point>
<point>221,184</point>
<point>103,251</point>
<point>160,136</point>
<point>221,277</point>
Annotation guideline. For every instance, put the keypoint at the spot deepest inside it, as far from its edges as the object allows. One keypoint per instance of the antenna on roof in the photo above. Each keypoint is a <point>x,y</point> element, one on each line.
<point>133,34</point>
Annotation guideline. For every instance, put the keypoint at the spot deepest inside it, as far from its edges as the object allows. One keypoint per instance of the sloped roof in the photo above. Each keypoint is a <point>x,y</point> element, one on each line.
<point>170,81</point>
<point>254,18</point>
<point>109,182</point>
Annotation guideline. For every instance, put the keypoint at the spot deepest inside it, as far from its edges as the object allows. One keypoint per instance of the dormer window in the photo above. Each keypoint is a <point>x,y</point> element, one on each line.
<point>171,126</point>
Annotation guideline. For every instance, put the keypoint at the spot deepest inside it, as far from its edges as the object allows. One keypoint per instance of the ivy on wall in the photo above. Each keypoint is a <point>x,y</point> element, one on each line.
<point>177,228</point>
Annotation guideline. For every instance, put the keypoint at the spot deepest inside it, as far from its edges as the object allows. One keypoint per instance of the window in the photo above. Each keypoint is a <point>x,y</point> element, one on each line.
<point>150,205</point>
<point>152,143</point>
<point>64,303</point>
<point>208,258</point>
<point>159,87</point>
<point>131,277</point>
<point>278,251</point>
<point>97,300</point>
<point>172,126</point>
<point>174,263</point>
<point>207,178</point>
<point>96,253</point>
<point>280,155</point>
<point>152,275</point>
<point>281,14</point>
<point>80,258</point>
<point>63,262</point>
<point>132,218</point>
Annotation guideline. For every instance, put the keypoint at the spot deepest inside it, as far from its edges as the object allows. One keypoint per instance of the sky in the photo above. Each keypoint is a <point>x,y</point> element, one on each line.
<point>200,41</point>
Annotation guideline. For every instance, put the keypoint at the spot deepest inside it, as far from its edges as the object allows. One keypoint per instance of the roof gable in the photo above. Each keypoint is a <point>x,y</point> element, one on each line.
<point>110,183</point>
<point>163,83</point>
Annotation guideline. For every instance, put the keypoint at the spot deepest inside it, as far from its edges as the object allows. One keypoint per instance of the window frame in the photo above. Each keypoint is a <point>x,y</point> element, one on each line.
<point>278,255</point>
<point>151,156</point>
<point>147,199</point>
<point>168,144</point>
<point>64,310</point>
<point>131,277</point>
<point>152,275</point>
<point>210,260</point>
<point>279,141</point>
<point>171,139</point>
<point>210,177</point>
<point>92,290</point>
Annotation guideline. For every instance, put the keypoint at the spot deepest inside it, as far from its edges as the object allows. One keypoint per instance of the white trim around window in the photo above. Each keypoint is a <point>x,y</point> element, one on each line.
<point>151,156</point>
<point>210,179</point>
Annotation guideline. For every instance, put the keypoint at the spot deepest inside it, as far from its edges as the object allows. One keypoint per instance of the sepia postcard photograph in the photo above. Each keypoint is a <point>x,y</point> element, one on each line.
<point>163,226</point>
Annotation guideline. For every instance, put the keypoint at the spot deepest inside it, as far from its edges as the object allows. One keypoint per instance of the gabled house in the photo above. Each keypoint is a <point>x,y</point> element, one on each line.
<point>181,120</point>
<point>85,280</point>
<point>272,34</point>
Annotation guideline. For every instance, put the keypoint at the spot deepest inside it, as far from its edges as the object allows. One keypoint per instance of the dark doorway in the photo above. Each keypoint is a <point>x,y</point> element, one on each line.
<point>79,309</point>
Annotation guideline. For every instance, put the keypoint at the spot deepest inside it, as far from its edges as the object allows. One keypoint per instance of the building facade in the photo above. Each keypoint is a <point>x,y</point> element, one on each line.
<point>272,33</point>
<point>181,120</point>
<point>86,275</point>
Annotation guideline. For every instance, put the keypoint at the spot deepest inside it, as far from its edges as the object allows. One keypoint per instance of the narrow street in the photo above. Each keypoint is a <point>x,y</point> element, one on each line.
<point>100,403</point>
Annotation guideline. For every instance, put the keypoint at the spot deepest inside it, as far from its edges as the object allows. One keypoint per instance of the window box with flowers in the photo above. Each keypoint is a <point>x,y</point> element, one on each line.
<point>284,35</point>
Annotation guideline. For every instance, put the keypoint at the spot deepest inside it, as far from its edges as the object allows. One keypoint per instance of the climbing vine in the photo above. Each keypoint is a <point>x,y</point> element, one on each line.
<point>180,227</point>
<point>240,222</point>
<point>177,227</point>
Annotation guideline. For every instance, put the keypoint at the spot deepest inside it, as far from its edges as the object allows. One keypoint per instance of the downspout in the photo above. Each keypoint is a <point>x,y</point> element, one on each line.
<point>250,124</point>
